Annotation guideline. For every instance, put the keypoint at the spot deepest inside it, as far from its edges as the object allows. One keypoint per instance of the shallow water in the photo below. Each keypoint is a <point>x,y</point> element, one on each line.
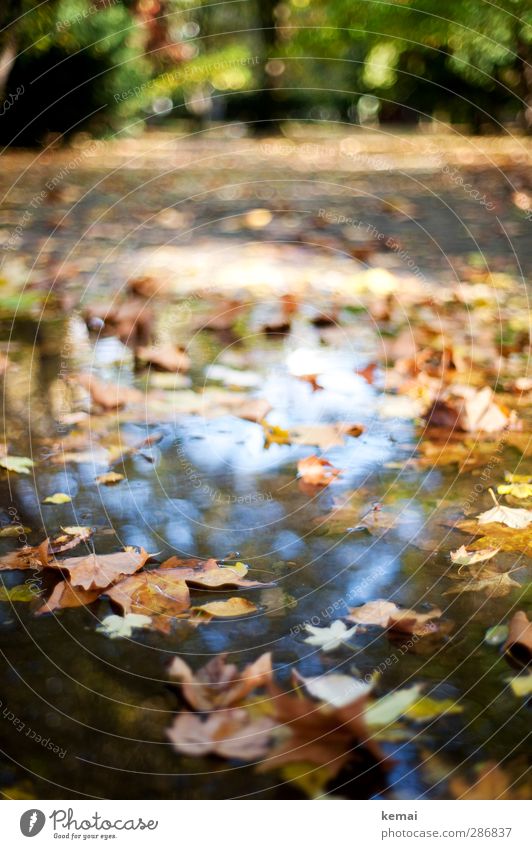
<point>210,488</point>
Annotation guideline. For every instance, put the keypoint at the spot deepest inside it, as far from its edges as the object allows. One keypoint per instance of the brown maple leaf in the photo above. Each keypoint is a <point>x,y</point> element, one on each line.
<point>322,735</point>
<point>219,684</point>
<point>97,571</point>
<point>389,616</point>
<point>64,595</point>
<point>153,593</point>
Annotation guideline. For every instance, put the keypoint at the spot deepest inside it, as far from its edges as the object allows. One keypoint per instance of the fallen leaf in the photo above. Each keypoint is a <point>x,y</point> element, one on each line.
<point>167,358</point>
<point>519,643</point>
<point>331,637</point>
<point>518,490</point>
<point>230,734</point>
<point>498,536</point>
<point>335,689</point>
<point>159,595</point>
<point>64,595</point>
<point>512,517</point>
<point>19,465</point>
<point>317,471</point>
<point>463,557</point>
<point>109,478</point>
<point>322,735</point>
<point>220,684</point>
<point>426,709</point>
<point>14,530</point>
<point>389,616</point>
<point>229,609</point>
<point>57,498</point>
<point>324,436</point>
<point>274,435</point>
<point>208,574</point>
<point>468,410</point>
<point>495,584</point>
<point>392,706</point>
<point>23,592</point>
<point>97,571</point>
<point>521,685</point>
<point>122,626</point>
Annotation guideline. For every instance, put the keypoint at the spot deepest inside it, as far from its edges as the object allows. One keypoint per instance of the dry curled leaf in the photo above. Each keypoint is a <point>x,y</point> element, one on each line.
<point>97,571</point>
<point>219,684</point>
<point>512,517</point>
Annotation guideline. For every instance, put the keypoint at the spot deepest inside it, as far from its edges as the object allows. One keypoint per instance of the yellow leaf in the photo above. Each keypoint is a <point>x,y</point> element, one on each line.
<point>226,609</point>
<point>57,498</point>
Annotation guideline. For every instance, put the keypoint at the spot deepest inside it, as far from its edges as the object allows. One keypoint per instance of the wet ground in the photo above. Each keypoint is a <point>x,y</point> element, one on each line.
<point>231,224</point>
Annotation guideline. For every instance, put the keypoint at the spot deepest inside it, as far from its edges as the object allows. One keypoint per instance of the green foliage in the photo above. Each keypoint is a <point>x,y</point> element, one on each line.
<point>128,61</point>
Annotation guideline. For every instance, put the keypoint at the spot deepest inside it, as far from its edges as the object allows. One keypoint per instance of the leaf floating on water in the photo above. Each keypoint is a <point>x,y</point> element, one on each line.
<point>518,490</point>
<point>317,471</point>
<point>498,536</point>
<point>483,579</point>
<point>19,465</point>
<point>97,571</point>
<point>109,478</point>
<point>512,517</point>
<point>219,684</point>
<point>331,637</point>
<point>229,609</point>
<point>521,685</point>
<point>492,783</point>
<point>496,635</point>
<point>426,709</point>
<point>22,593</point>
<point>159,595</point>
<point>57,498</point>
<point>391,707</point>
<point>388,615</point>
<point>122,626</point>
<point>463,557</point>
<point>14,530</point>
<point>65,595</point>
<point>335,689</point>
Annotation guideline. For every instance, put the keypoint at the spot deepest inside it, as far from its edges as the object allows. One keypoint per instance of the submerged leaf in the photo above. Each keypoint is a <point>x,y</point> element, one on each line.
<point>57,498</point>
<point>228,733</point>
<point>122,626</point>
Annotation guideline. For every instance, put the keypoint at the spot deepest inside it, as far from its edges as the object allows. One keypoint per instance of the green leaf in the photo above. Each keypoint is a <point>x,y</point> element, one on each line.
<point>14,530</point>
<point>23,592</point>
<point>20,465</point>
<point>57,498</point>
<point>497,635</point>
